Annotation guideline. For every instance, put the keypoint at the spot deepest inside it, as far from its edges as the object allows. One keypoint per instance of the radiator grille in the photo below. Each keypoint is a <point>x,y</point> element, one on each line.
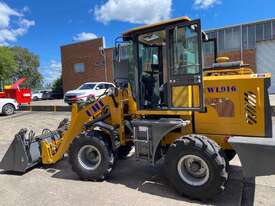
<point>250,99</point>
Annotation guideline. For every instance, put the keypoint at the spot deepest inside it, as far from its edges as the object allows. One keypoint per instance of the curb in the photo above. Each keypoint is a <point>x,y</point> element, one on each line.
<point>51,108</point>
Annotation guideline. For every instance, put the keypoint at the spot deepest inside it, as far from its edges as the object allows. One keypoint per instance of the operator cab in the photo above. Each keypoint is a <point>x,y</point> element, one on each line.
<point>164,65</point>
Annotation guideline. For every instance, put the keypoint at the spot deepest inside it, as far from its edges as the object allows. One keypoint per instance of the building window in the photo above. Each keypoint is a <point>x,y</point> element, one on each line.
<point>267,30</point>
<point>79,68</point>
<point>251,37</point>
<point>259,32</point>
<point>273,29</point>
<point>244,36</point>
<point>221,41</point>
<point>124,50</point>
<point>232,39</point>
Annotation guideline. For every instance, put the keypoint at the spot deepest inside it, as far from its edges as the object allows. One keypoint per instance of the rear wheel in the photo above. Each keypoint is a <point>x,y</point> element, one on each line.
<point>195,167</point>
<point>91,157</point>
<point>8,109</point>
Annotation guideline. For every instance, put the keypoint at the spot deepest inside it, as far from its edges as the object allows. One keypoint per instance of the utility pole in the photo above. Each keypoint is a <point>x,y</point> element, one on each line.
<point>103,54</point>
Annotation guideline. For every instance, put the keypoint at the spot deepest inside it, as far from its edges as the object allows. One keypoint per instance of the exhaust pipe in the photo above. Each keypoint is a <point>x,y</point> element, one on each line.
<point>24,151</point>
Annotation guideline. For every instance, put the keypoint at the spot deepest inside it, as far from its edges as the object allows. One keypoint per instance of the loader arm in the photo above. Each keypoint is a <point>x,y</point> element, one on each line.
<point>53,152</point>
<point>78,119</point>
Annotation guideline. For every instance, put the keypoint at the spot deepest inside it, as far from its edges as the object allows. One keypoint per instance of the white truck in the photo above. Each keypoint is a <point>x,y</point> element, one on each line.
<point>8,106</point>
<point>86,90</point>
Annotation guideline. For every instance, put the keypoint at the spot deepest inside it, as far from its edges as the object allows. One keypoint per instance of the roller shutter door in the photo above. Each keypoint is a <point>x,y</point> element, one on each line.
<point>265,60</point>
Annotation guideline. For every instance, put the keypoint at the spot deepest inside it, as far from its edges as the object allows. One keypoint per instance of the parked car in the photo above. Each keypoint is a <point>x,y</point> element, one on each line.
<point>8,106</point>
<point>46,95</point>
<point>86,90</point>
<point>57,95</point>
<point>37,95</point>
<point>41,95</point>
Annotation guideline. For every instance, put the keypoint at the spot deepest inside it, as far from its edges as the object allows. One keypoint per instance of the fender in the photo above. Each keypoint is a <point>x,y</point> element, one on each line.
<point>112,131</point>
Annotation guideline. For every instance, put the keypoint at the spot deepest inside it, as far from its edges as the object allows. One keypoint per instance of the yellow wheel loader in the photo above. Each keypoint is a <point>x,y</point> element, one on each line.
<point>168,106</point>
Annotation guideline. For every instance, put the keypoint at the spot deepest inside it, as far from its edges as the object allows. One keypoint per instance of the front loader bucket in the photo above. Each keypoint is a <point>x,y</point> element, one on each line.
<point>257,155</point>
<point>20,155</point>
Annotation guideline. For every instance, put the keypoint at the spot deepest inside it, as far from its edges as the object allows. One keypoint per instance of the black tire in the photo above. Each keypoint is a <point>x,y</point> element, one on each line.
<point>35,98</point>
<point>8,109</point>
<point>124,150</point>
<point>83,170</point>
<point>229,154</point>
<point>207,153</point>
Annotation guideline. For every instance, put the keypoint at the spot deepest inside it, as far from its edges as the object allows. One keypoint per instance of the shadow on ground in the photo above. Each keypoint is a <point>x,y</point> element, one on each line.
<point>138,175</point>
<point>248,192</point>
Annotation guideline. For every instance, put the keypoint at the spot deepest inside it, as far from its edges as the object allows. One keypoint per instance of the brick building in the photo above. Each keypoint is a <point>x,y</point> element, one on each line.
<point>85,61</point>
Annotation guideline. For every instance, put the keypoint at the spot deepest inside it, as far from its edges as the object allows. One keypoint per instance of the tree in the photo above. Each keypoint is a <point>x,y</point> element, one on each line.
<point>57,87</point>
<point>7,64</point>
<point>27,66</point>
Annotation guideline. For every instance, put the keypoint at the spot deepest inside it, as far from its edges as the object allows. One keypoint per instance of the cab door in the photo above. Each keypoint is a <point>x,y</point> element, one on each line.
<point>185,75</point>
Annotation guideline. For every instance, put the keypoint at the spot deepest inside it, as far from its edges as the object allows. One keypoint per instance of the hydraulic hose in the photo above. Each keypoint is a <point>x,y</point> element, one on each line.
<point>102,117</point>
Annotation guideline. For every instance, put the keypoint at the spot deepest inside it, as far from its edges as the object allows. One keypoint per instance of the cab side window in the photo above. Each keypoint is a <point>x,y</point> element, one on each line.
<point>107,86</point>
<point>101,86</point>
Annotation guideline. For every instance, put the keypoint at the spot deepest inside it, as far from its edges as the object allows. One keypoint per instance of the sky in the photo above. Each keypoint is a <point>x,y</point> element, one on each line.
<point>44,26</point>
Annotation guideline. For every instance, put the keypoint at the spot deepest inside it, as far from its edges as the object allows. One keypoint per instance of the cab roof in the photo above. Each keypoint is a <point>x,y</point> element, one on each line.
<point>150,26</point>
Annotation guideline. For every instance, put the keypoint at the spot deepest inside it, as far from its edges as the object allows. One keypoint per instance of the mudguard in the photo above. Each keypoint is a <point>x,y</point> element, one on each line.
<point>257,155</point>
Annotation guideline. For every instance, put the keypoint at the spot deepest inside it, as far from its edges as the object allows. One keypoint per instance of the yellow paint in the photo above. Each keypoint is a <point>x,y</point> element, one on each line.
<point>7,87</point>
<point>212,123</point>
<point>182,96</point>
<point>184,18</point>
<point>222,59</point>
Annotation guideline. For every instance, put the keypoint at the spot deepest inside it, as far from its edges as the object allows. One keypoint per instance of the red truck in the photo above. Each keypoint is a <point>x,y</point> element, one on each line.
<point>21,95</point>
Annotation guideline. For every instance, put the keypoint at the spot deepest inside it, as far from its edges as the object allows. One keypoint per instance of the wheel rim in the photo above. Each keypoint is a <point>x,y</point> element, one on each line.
<point>9,109</point>
<point>193,170</point>
<point>89,157</point>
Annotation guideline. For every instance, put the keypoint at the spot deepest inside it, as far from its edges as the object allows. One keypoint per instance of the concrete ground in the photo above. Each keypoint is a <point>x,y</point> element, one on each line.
<point>272,99</point>
<point>131,183</point>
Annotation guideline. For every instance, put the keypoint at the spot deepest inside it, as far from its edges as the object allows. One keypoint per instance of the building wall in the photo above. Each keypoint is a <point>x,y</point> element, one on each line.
<point>249,57</point>
<point>239,42</point>
<point>89,54</point>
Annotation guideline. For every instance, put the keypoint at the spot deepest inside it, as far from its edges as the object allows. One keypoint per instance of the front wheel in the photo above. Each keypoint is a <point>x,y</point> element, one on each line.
<point>35,98</point>
<point>195,167</point>
<point>91,157</point>
<point>8,109</point>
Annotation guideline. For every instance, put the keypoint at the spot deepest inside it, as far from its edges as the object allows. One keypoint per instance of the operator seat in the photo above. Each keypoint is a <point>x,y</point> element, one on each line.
<point>148,82</point>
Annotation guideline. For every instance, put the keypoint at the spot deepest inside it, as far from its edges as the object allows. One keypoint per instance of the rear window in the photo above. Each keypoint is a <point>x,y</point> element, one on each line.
<point>86,86</point>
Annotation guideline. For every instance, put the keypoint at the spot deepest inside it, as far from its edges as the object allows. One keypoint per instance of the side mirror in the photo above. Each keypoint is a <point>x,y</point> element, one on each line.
<point>204,36</point>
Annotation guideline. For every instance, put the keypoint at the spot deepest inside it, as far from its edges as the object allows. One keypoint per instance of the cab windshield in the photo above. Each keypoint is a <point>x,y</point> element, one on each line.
<point>86,86</point>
